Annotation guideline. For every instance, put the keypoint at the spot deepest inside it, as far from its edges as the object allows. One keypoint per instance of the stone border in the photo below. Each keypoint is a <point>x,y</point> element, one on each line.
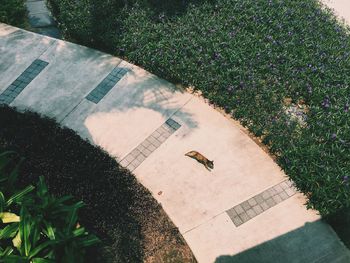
<point>106,85</point>
<point>149,145</point>
<point>22,81</point>
<point>256,205</point>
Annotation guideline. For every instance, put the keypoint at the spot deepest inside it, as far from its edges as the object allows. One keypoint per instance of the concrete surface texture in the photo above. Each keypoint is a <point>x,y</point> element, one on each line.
<point>129,117</point>
<point>40,18</point>
<point>340,7</point>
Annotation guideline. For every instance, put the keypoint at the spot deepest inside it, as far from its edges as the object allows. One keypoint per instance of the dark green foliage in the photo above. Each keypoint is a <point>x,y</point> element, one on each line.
<point>13,12</point>
<point>35,226</point>
<point>247,57</point>
<point>119,210</point>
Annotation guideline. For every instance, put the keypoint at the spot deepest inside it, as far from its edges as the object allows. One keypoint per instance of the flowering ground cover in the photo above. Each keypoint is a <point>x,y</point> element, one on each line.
<point>257,60</point>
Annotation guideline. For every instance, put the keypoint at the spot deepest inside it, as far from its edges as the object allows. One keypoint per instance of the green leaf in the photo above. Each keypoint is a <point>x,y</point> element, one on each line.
<point>15,259</point>
<point>18,196</point>
<point>7,251</point>
<point>41,247</point>
<point>24,229</point>
<point>42,260</point>
<point>9,231</point>
<point>7,217</point>
<point>2,202</point>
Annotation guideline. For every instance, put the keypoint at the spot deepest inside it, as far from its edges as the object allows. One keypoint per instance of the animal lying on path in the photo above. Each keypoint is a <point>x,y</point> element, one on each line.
<point>201,159</point>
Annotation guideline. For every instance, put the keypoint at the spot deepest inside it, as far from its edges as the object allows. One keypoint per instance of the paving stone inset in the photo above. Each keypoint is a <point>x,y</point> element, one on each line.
<point>149,145</point>
<point>256,205</point>
<point>22,81</point>
<point>106,84</point>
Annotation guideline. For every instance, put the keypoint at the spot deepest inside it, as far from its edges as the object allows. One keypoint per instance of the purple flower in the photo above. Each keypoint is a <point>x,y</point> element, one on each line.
<point>230,88</point>
<point>232,34</point>
<point>216,55</point>
<point>326,103</point>
<point>346,107</point>
<point>309,89</point>
<point>346,180</point>
<point>333,136</point>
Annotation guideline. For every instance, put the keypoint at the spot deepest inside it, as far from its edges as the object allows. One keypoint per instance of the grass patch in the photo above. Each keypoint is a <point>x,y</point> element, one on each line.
<point>248,57</point>
<point>121,212</point>
<point>13,12</point>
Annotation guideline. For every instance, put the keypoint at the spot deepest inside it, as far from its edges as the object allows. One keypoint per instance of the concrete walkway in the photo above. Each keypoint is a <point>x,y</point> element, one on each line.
<point>340,7</point>
<point>41,19</point>
<point>244,210</point>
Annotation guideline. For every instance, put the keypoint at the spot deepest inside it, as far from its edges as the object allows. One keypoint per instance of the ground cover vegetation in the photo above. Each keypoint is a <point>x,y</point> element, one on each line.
<point>253,58</point>
<point>36,226</point>
<point>120,212</point>
<point>13,12</point>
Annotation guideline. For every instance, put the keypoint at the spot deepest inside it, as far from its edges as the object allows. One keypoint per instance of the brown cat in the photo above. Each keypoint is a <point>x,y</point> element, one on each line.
<point>201,159</point>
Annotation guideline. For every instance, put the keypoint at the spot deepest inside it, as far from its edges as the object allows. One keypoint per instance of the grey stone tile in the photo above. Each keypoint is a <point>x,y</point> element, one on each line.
<point>157,143</point>
<point>251,213</point>
<point>135,153</point>
<point>259,199</point>
<point>124,163</point>
<point>146,152</point>
<point>265,195</point>
<point>252,201</point>
<point>152,140</point>
<point>257,209</point>
<point>238,209</point>
<point>270,202</point>
<point>152,148</point>
<point>136,162</point>
<point>140,147</point>
<point>162,138</point>
<point>131,167</point>
<point>146,144</point>
<point>284,185</point>
<point>278,188</point>
<point>12,87</point>
<point>237,221</point>
<point>244,217</point>
<point>272,191</point>
<point>264,206</point>
<point>16,82</point>
<point>289,183</point>
<point>277,199</point>
<point>156,134</point>
<point>231,213</point>
<point>283,195</point>
<point>129,158</point>
<point>245,205</point>
<point>289,191</point>
<point>141,157</point>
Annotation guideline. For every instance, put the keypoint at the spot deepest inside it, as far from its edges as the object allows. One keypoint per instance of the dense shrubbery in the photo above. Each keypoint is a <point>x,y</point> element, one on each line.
<point>13,12</point>
<point>247,57</point>
<point>35,226</point>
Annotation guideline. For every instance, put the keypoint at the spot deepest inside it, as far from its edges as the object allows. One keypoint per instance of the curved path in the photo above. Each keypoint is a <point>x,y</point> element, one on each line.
<point>244,210</point>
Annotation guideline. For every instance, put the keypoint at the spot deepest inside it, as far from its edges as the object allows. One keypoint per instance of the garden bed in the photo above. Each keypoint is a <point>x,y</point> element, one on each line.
<point>280,67</point>
<point>132,226</point>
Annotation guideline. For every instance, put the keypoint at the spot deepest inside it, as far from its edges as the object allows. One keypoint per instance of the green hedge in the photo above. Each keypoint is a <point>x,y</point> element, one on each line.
<point>13,12</point>
<point>248,57</point>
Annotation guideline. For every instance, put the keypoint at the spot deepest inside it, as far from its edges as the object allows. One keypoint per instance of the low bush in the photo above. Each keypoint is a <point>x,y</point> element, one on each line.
<point>249,57</point>
<point>35,226</point>
<point>13,12</point>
